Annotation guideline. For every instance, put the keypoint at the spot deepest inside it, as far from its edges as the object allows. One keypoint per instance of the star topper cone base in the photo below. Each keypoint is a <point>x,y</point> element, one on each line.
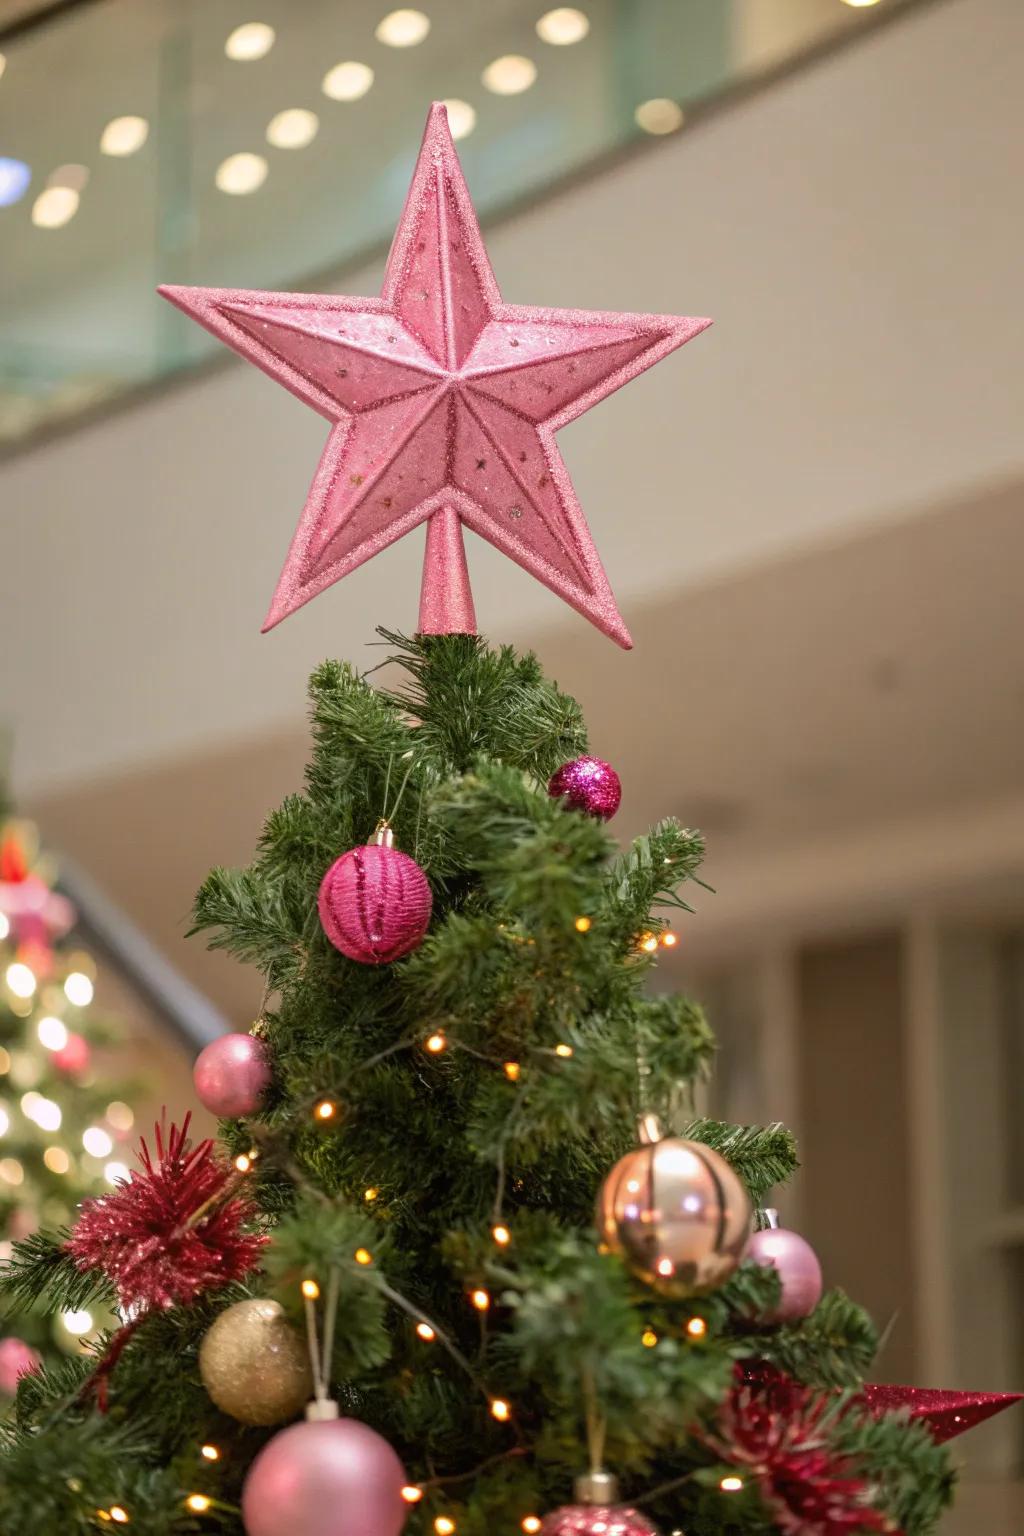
<point>444,402</point>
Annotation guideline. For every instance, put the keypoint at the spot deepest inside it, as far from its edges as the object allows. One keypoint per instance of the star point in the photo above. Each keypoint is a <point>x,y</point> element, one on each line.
<point>444,402</point>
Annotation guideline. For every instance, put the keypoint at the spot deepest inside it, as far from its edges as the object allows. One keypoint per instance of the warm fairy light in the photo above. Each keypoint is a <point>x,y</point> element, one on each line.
<point>666,1267</point>
<point>500,1410</point>
<point>20,979</point>
<point>371,1195</point>
<point>660,115</point>
<point>252,40</point>
<point>649,943</point>
<point>5,1121</point>
<point>669,940</point>
<point>443,1526</point>
<point>531,1524</point>
<point>240,174</point>
<point>56,1159</point>
<point>696,1327</point>
<point>77,1323</point>
<point>402,29</point>
<point>512,1070</point>
<point>425,1332</point>
<point>648,1338</point>
<point>5,1060</point>
<point>293,128</point>
<point>11,1171</point>
<point>120,1115</point>
<point>78,989</point>
<point>859,4</point>
<point>436,1044</point>
<point>502,1236</point>
<point>123,136</point>
<point>209,1453</point>
<point>326,1109</point>
<point>481,1299</point>
<point>46,1114</point>
<point>102,1514</point>
<point>5,926</point>
<point>731,1484</point>
<point>461,117</point>
<point>55,207</point>
<point>347,81</point>
<point>198,1503</point>
<point>117,1173</point>
<point>243,1162</point>
<point>52,1033</point>
<point>119,1515</point>
<point>97,1142</point>
<point>563,1050</point>
<point>583,925</point>
<point>509,75</point>
<point>310,1290</point>
<point>560,27</point>
<point>363,1256</point>
<point>411,1494</point>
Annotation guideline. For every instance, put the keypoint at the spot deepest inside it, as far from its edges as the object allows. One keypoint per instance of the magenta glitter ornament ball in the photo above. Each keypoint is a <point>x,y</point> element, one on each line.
<point>332,1477</point>
<point>587,784</point>
<point>375,902</point>
<point>597,1520</point>
<point>798,1270</point>
<point>231,1075</point>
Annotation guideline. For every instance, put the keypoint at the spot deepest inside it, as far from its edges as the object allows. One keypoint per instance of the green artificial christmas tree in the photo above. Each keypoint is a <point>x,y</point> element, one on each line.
<point>464,1211</point>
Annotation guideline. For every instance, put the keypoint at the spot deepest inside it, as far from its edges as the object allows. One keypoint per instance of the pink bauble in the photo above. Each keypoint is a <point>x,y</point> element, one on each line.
<point>798,1269</point>
<point>587,784</point>
<point>231,1075</point>
<point>597,1520</point>
<point>17,1359</point>
<point>73,1057</point>
<point>336,1477</point>
<point>375,904</point>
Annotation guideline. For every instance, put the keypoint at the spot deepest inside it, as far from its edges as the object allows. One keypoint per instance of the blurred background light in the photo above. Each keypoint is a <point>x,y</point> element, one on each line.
<point>563,26</point>
<point>15,176</point>
<point>252,40</point>
<point>660,115</point>
<point>402,29</point>
<point>347,81</point>
<point>461,117</point>
<point>510,74</point>
<point>124,135</point>
<point>293,129</point>
<point>241,173</point>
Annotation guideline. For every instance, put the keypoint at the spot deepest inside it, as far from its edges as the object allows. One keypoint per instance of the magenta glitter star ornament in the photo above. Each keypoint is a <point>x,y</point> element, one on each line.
<point>444,402</point>
<point>944,1414</point>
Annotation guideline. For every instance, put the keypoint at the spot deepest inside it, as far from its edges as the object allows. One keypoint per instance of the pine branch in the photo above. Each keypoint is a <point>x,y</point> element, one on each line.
<point>42,1269</point>
<point>763,1156</point>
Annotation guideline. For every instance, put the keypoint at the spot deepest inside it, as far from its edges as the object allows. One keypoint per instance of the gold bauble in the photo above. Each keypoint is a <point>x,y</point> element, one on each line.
<point>254,1365</point>
<point>677,1213</point>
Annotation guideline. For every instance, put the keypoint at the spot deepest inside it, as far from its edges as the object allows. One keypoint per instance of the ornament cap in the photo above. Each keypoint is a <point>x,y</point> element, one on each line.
<point>383,835</point>
<point>771,1218</point>
<point>322,1409</point>
<point>649,1130</point>
<point>598,1488</point>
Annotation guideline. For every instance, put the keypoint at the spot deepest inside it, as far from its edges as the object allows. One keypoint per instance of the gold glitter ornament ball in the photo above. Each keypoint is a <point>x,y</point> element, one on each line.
<point>677,1213</point>
<point>254,1365</point>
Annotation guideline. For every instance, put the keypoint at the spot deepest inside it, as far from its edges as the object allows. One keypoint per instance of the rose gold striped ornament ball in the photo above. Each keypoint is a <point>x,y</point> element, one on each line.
<point>375,902</point>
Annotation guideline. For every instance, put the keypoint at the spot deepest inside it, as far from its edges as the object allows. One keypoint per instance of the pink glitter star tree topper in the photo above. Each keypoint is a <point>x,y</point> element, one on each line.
<point>444,403</point>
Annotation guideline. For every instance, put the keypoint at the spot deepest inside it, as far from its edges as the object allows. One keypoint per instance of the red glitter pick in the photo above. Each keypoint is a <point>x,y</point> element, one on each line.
<point>171,1232</point>
<point>944,1414</point>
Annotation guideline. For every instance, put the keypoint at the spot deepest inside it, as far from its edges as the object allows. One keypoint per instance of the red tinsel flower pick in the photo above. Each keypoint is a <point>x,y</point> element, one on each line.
<point>171,1232</point>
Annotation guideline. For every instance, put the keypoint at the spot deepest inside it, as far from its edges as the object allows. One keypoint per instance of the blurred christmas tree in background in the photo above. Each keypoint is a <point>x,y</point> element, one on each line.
<point>63,1119</point>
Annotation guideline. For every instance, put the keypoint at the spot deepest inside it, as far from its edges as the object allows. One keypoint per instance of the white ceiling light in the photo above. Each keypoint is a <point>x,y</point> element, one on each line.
<point>402,29</point>
<point>293,129</point>
<point>124,135</point>
<point>659,115</point>
<point>239,174</point>
<point>252,40</point>
<point>510,74</point>
<point>860,4</point>
<point>461,117</point>
<point>347,81</point>
<point>563,26</point>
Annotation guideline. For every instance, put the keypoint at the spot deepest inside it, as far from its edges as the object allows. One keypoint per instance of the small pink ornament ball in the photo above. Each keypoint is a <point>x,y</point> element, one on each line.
<point>375,902</point>
<point>597,1512</point>
<point>333,1477</point>
<point>231,1075</point>
<point>798,1269</point>
<point>74,1056</point>
<point>17,1359</point>
<point>588,784</point>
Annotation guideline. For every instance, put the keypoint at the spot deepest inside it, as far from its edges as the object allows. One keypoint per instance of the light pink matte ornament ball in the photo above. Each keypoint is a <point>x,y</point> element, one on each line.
<point>17,1359</point>
<point>231,1075</point>
<point>798,1269</point>
<point>332,1477</point>
<point>375,902</point>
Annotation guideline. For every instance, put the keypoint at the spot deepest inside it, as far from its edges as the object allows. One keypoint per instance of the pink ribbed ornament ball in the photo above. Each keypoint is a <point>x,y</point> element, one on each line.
<point>231,1075</point>
<point>375,902</point>
<point>587,784</point>
<point>331,1477</point>
<point>798,1269</point>
<point>17,1359</point>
